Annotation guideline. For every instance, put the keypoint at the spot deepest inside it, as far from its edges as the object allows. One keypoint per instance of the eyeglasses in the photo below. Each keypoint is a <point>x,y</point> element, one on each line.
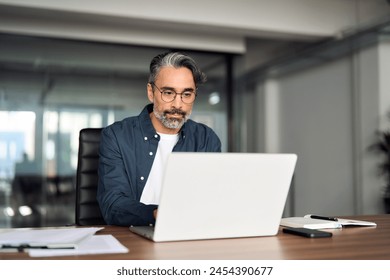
<point>168,95</point>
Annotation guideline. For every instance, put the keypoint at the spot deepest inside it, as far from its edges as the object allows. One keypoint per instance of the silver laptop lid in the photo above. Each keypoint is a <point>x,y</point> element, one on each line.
<point>223,195</point>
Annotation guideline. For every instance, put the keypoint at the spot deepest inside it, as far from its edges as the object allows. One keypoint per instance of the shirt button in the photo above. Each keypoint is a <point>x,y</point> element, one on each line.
<point>142,178</point>
<point>145,138</point>
<point>150,153</point>
<point>155,136</point>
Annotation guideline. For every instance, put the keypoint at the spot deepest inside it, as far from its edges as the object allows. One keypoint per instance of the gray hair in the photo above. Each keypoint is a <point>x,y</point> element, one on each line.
<point>177,60</point>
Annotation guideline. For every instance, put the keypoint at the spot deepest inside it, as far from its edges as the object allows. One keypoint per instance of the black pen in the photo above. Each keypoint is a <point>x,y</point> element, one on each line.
<point>24,247</point>
<point>324,218</point>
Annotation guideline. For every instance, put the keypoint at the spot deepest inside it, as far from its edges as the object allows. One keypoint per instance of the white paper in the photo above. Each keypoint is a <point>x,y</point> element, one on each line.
<point>349,222</point>
<point>52,237</point>
<point>97,244</point>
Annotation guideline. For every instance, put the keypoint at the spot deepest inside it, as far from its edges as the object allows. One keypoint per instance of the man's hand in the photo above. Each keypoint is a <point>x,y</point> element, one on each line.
<point>155,213</point>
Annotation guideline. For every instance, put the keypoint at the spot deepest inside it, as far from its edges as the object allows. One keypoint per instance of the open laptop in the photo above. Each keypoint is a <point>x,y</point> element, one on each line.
<point>221,195</point>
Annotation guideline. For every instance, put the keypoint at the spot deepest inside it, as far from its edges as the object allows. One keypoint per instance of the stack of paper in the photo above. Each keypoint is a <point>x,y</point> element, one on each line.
<point>59,241</point>
<point>49,238</point>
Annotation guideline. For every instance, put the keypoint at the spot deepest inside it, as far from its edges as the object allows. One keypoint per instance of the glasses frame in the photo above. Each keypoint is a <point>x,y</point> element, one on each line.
<point>176,93</point>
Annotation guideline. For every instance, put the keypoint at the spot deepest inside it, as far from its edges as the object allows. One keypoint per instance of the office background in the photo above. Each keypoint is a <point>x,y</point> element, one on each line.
<point>300,76</point>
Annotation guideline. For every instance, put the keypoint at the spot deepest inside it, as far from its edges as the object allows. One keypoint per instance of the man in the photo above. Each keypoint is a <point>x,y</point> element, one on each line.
<point>133,152</point>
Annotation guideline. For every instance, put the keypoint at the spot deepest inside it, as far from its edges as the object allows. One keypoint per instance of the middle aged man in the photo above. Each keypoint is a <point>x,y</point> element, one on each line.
<point>134,151</point>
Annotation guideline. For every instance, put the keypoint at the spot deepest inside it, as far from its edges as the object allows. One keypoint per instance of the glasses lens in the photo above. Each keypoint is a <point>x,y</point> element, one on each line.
<point>168,95</point>
<point>188,97</point>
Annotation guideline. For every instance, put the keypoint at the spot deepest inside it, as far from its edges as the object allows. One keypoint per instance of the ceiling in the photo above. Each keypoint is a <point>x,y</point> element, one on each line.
<point>266,32</point>
<point>218,25</point>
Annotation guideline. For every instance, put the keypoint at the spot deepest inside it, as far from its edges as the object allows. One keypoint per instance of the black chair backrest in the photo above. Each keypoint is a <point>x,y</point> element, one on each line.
<point>87,207</point>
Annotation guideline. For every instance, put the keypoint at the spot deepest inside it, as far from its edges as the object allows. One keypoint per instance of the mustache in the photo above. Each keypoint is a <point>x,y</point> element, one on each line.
<point>175,111</point>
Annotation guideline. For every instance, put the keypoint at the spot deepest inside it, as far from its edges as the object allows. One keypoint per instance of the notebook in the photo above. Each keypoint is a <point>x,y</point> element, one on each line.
<point>312,223</point>
<point>221,195</point>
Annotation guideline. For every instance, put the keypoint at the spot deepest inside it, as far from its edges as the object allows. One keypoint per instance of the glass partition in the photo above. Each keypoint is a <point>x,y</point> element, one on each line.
<point>52,88</point>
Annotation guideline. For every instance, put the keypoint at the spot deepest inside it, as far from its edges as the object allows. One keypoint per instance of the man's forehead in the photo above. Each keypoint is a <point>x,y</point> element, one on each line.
<point>175,77</point>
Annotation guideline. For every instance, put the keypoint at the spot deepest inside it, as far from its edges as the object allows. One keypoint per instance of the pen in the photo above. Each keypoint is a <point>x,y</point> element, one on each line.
<point>23,247</point>
<point>324,218</point>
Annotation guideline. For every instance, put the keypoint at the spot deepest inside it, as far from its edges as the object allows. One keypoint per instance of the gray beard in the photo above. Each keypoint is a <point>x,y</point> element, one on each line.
<point>171,123</point>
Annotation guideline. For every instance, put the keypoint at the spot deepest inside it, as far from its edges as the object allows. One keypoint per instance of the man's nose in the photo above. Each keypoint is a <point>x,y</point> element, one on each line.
<point>177,102</point>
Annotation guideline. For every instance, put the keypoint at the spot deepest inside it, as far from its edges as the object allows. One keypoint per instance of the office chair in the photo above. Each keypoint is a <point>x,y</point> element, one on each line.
<point>87,207</point>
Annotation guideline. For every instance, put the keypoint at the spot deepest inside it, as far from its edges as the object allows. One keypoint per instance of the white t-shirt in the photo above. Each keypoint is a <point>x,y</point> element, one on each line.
<point>151,192</point>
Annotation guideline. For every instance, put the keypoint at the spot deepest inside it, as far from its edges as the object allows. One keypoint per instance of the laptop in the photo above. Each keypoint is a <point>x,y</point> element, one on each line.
<point>221,195</point>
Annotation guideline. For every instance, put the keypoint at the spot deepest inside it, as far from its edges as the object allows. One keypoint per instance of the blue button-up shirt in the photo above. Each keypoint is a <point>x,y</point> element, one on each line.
<point>127,151</point>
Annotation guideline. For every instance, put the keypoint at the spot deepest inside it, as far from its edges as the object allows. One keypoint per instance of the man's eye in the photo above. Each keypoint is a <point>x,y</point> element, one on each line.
<point>168,92</point>
<point>187,94</point>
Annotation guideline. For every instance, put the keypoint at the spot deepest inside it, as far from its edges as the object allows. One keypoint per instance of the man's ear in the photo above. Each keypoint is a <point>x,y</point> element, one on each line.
<point>149,89</point>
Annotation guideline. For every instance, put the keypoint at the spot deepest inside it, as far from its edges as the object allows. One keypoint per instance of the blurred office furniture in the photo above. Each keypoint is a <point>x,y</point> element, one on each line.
<point>27,193</point>
<point>27,182</point>
<point>27,189</point>
<point>87,207</point>
<point>61,185</point>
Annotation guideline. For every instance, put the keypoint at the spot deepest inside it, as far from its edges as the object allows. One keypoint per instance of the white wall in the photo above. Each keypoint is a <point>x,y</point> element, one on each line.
<point>316,124</point>
<point>384,82</point>
<point>328,115</point>
<point>374,104</point>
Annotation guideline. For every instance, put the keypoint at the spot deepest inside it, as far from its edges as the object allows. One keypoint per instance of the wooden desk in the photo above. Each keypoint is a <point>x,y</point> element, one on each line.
<point>348,243</point>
